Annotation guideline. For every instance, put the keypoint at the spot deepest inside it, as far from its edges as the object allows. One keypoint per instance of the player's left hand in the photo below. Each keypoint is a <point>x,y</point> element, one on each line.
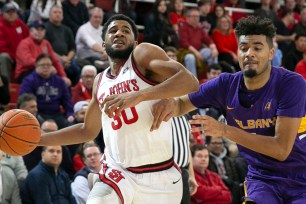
<point>114,104</point>
<point>207,125</point>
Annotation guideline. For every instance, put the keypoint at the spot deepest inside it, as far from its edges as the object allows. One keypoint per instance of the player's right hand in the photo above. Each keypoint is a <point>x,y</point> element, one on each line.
<point>162,111</point>
<point>114,104</point>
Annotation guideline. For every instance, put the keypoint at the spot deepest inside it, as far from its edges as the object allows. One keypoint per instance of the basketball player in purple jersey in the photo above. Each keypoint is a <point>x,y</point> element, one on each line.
<point>138,164</point>
<point>265,112</point>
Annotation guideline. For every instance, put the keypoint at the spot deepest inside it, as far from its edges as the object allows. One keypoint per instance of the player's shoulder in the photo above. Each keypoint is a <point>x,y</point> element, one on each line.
<point>287,78</point>
<point>146,47</point>
<point>226,78</point>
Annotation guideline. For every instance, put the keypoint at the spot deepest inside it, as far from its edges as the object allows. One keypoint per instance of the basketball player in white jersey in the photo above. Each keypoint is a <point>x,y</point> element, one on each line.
<point>138,163</point>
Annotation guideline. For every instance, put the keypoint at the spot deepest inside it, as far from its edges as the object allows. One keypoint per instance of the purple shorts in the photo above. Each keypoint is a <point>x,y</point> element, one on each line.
<point>276,188</point>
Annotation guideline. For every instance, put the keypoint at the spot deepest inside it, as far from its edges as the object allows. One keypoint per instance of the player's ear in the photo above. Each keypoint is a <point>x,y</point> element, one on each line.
<point>135,43</point>
<point>103,44</point>
<point>271,53</point>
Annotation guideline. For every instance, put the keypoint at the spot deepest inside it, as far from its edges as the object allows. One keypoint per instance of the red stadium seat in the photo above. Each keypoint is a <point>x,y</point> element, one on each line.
<point>14,93</point>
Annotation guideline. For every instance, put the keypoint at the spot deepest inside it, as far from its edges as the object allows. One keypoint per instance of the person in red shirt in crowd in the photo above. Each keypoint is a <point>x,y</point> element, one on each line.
<point>12,31</point>
<point>301,66</point>
<point>225,39</point>
<point>177,14</point>
<point>197,46</point>
<point>83,90</point>
<point>211,189</point>
<point>33,46</point>
<point>289,5</point>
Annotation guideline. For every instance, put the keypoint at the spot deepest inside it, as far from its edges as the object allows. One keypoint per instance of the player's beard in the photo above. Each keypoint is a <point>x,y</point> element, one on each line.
<point>250,73</point>
<point>119,54</point>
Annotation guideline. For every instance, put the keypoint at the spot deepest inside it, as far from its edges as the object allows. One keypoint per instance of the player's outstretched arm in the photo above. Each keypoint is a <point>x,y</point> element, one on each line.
<point>171,77</point>
<point>78,133</point>
<point>278,146</point>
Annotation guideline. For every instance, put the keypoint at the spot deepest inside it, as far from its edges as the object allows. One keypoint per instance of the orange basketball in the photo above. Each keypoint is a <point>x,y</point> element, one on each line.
<point>19,132</point>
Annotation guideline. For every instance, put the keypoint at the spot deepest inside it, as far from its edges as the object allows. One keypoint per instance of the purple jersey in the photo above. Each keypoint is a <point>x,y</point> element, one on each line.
<point>283,95</point>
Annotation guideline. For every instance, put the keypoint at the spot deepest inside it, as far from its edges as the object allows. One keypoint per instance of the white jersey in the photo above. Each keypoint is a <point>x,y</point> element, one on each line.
<point>127,138</point>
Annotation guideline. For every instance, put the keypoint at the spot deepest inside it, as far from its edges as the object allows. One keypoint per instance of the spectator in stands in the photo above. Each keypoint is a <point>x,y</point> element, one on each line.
<point>9,189</point>
<point>158,29</point>
<point>295,54</point>
<point>40,10</point>
<point>176,14</point>
<point>222,164</point>
<point>211,189</point>
<point>79,111</point>
<point>27,101</point>
<point>300,4</point>
<point>225,39</point>
<point>4,92</point>
<point>89,42</point>
<point>300,27</point>
<point>218,12</point>
<point>213,71</point>
<point>83,90</point>
<point>107,7</point>
<point>16,164</point>
<point>284,36</point>
<point>301,66</point>
<point>62,40</point>
<point>47,182</point>
<point>12,31</point>
<point>265,11</point>
<point>198,48</point>
<point>51,92</point>
<point>31,160</point>
<point>75,14</point>
<point>278,55</point>
<point>235,15</point>
<point>91,157</point>
<point>275,5</point>
<point>289,5</point>
<point>30,48</point>
<point>171,52</point>
<point>205,19</point>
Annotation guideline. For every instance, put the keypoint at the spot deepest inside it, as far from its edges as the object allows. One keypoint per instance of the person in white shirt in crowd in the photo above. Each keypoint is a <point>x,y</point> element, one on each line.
<point>91,158</point>
<point>89,42</point>
<point>12,173</point>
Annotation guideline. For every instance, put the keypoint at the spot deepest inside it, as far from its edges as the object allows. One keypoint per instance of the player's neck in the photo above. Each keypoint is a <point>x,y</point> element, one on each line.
<point>116,65</point>
<point>258,81</point>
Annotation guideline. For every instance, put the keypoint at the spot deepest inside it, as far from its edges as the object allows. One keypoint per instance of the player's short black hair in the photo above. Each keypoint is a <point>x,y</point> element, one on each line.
<point>119,17</point>
<point>254,25</point>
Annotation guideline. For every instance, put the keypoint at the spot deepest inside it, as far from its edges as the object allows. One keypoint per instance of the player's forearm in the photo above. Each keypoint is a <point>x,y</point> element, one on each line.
<point>180,84</point>
<point>71,135</point>
<point>268,145</point>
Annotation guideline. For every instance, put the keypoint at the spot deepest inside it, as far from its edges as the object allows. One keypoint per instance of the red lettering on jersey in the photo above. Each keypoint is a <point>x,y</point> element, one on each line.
<point>134,82</point>
<point>126,86</point>
<point>101,98</point>
<point>116,175</point>
<point>112,90</point>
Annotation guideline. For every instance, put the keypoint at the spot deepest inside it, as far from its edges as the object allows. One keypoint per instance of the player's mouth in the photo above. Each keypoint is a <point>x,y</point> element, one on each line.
<point>118,42</point>
<point>249,63</point>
